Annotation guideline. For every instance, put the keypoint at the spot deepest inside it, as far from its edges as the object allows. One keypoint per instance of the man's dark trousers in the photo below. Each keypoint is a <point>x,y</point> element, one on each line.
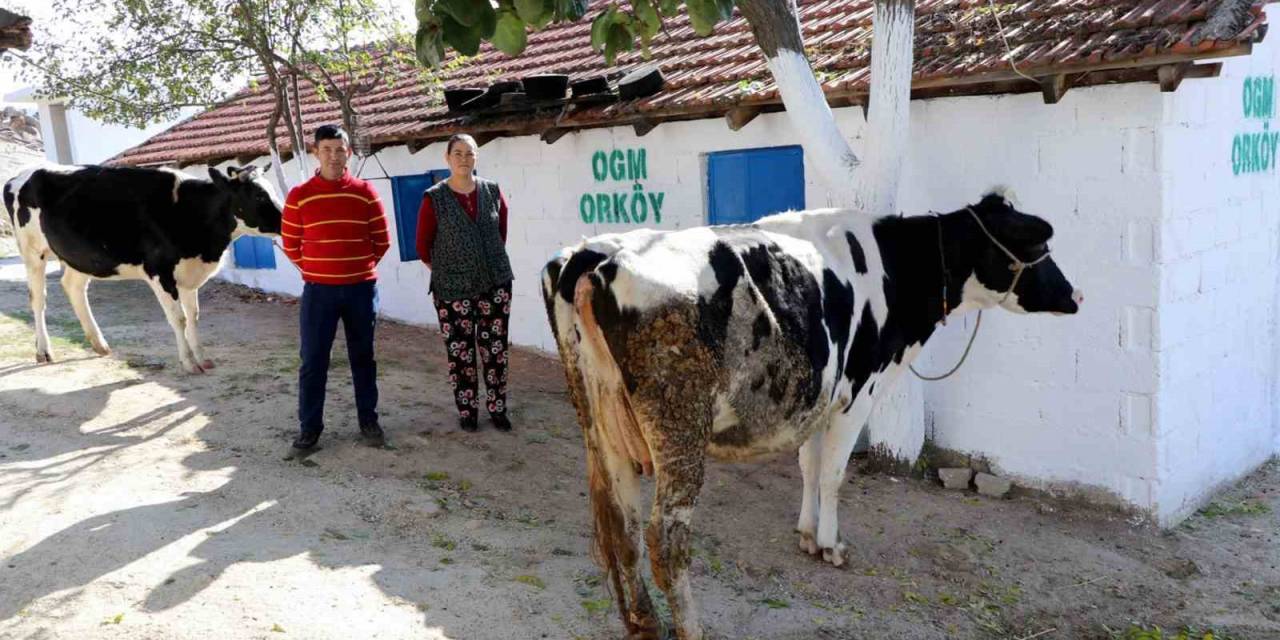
<point>322,306</point>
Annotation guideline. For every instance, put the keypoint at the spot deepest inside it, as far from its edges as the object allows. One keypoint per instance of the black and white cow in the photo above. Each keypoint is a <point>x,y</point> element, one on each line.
<point>161,226</point>
<point>740,341</point>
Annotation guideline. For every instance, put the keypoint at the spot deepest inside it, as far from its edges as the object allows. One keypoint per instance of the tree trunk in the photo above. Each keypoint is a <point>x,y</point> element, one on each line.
<point>277,111</point>
<point>896,428</point>
<point>297,131</point>
<point>889,115</point>
<point>777,29</point>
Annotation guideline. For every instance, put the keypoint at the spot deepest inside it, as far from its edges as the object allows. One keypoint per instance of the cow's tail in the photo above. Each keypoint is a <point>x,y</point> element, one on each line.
<point>614,418</point>
<point>613,440</point>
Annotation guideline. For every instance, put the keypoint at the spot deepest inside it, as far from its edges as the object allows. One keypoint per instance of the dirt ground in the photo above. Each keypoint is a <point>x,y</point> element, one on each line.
<point>139,502</point>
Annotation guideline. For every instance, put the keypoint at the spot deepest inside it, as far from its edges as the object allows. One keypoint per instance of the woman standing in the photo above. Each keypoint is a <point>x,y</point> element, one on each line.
<point>462,234</point>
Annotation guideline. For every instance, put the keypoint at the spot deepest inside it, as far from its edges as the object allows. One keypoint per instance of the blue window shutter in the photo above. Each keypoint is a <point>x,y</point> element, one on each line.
<point>265,253</point>
<point>407,192</point>
<point>746,185</point>
<point>245,256</point>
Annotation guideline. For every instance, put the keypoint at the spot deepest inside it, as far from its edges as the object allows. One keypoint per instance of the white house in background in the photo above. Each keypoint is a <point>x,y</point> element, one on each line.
<point>71,137</point>
<point>1150,144</point>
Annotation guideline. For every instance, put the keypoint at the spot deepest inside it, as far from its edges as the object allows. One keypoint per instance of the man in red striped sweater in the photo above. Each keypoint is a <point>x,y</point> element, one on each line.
<point>335,231</point>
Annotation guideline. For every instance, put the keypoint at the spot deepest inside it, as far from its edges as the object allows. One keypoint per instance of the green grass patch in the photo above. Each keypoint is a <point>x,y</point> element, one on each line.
<point>1220,508</point>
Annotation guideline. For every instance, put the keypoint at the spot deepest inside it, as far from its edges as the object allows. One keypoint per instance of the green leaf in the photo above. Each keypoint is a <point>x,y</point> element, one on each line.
<point>703,16</point>
<point>488,22</point>
<point>575,9</point>
<point>548,11</point>
<point>600,28</point>
<point>530,11</point>
<point>510,37</point>
<point>648,19</point>
<point>466,40</point>
<point>619,39</point>
<point>670,7</point>
<point>428,45</point>
<point>726,9</point>
<point>465,12</point>
<point>533,581</point>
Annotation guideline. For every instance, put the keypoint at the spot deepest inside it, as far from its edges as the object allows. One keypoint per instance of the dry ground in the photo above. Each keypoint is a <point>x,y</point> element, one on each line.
<point>138,502</point>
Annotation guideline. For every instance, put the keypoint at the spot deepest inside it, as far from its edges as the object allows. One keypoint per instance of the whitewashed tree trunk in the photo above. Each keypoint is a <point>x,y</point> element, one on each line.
<point>871,186</point>
<point>896,427</point>
<point>889,115</point>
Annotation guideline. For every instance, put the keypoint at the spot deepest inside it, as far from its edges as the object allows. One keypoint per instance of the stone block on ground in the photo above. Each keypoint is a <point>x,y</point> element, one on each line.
<point>956,478</point>
<point>996,487</point>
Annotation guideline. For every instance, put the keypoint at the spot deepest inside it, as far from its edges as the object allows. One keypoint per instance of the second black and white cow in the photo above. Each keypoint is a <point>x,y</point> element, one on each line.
<point>160,226</point>
<point>740,341</point>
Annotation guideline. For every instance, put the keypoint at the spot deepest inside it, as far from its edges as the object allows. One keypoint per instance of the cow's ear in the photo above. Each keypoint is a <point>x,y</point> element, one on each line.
<point>216,175</point>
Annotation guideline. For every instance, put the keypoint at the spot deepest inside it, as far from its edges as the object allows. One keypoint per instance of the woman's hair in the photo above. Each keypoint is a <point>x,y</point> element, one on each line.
<point>460,137</point>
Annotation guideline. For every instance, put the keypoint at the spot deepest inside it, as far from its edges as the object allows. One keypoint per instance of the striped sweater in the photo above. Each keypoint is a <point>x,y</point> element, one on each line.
<point>335,230</point>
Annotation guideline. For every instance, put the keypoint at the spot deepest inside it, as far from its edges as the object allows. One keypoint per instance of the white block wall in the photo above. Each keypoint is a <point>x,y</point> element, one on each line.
<point>1158,391</point>
<point>1217,251</point>
<point>1055,401</point>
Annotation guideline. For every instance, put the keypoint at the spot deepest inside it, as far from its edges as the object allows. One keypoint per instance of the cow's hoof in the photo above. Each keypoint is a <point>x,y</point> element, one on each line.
<point>192,368</point>
<point>102,350</point>
<point>834,555</point>
<point>206,364</point>
<point>43,358</point>
<point>808,544</point>
<point>642,625</point>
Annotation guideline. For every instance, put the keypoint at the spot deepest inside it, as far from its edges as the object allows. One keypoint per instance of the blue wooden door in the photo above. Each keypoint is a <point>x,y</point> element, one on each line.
<point>252,252</point>
<point>407,192</point>
<point>748,184</point>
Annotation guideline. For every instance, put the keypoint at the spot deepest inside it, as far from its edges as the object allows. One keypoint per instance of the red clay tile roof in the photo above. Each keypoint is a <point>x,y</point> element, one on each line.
<point>958,51</point>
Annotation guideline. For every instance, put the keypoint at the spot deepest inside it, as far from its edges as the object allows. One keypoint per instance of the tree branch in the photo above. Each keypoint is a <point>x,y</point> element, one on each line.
<point>777,29</point>
<point>150,110</point>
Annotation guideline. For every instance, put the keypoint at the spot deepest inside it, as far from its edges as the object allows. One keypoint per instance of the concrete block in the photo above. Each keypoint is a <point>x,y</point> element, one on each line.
<point>993,486</point>
<point>1139,147</point>
<point>1214,270</point>
<point>956,478</point>
<point>1181,279</point>
<point>1137,330</point>
<point>1136,419</point>
<point>1139,244</point>
<point>1111,369</point>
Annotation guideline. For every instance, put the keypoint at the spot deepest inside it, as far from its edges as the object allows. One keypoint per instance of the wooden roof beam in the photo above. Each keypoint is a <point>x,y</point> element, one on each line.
<point>1053,88</point>
<point>1171,75</point>
<point>738,117</point>
<point>643,126</point>
<point>552,134</point>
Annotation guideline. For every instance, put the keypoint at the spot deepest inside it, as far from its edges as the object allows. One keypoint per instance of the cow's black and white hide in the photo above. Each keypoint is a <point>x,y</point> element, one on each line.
<point>739,341</point>
<point>160,226</point>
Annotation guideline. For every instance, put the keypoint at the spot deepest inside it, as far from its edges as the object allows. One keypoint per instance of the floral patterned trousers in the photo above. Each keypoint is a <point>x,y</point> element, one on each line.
<point>466,323</point>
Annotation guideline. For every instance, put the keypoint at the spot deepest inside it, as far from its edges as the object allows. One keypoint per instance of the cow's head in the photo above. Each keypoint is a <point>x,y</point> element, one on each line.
<point>1013,268</point>
<point>254,200</point>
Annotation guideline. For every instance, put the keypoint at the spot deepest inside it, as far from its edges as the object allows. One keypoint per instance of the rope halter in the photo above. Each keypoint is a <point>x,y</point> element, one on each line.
<point>1018,266</point>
